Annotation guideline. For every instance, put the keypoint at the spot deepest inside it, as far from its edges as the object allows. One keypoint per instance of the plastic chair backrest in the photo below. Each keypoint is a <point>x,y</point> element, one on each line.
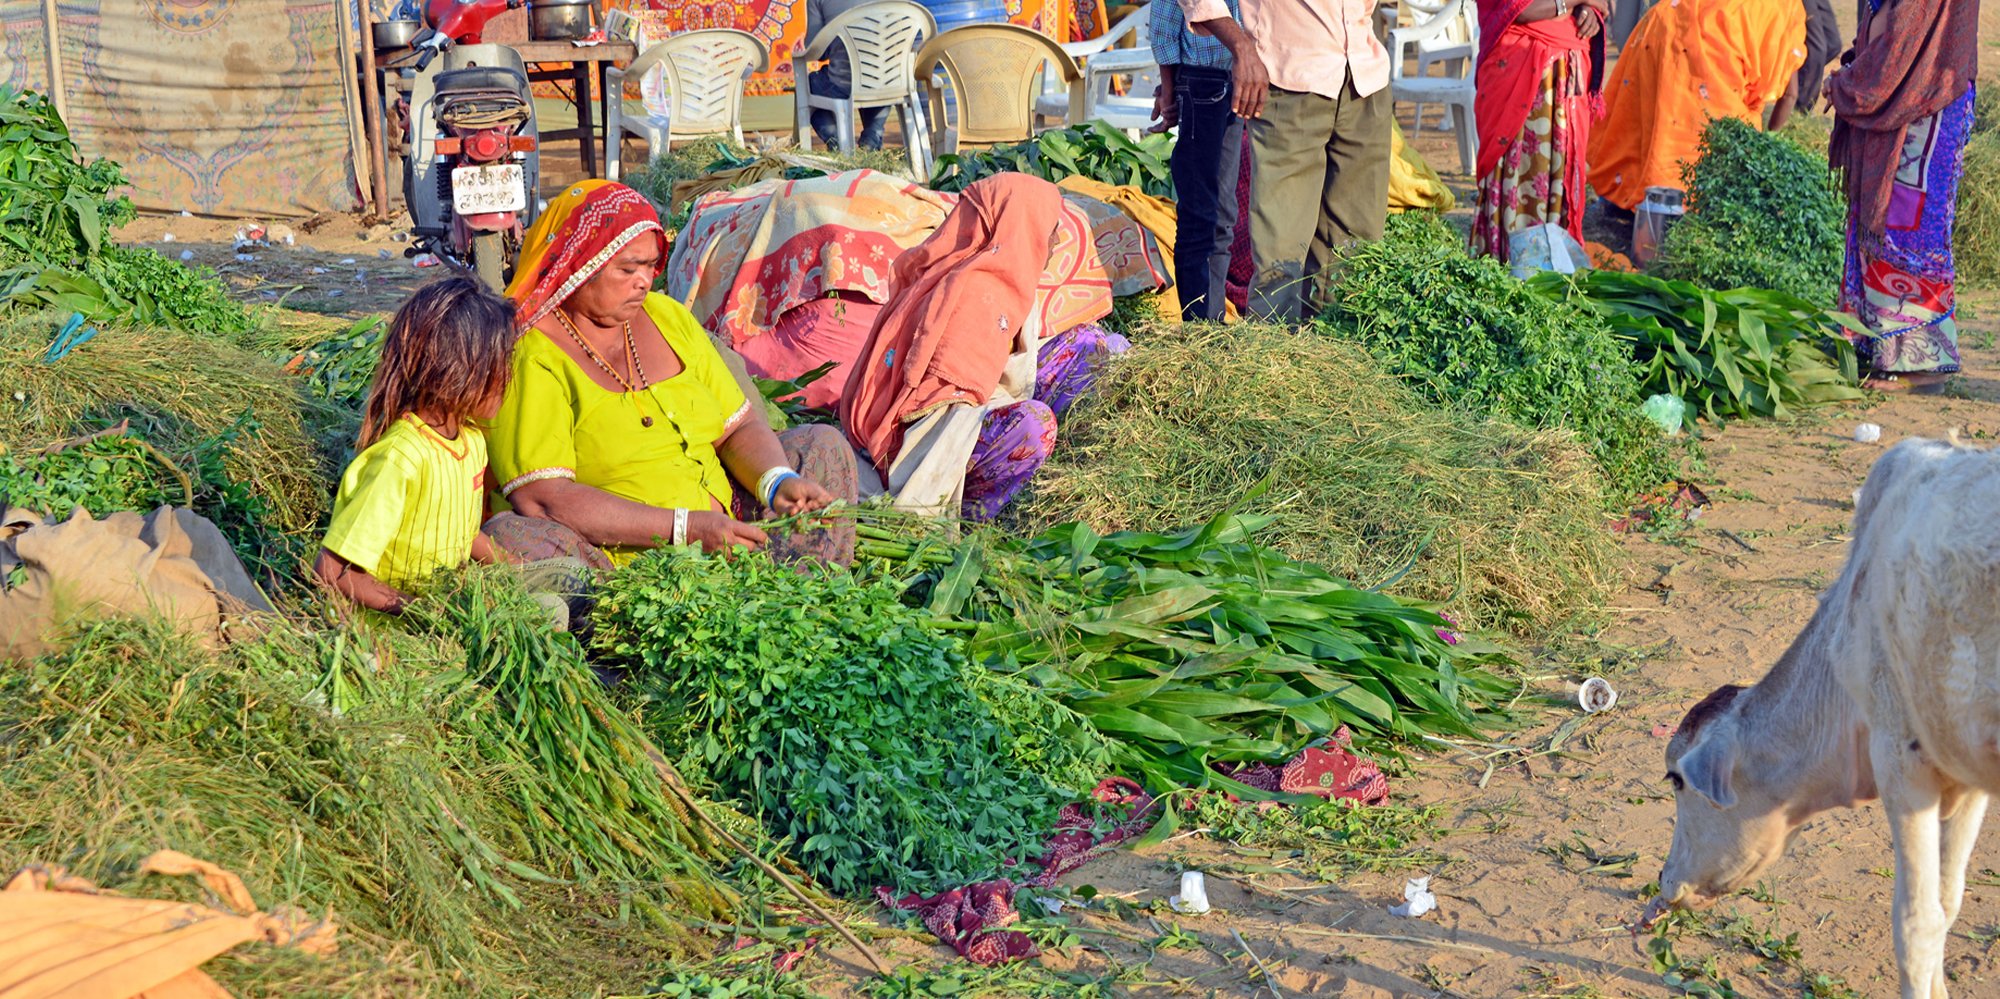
<point>1455,23</point>
<point>706,71</point>
<point>881,43</point>
<point>994,71</point>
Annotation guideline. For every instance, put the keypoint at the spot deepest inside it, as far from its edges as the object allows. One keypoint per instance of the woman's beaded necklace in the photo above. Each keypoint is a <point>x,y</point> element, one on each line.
<point>638,370</point>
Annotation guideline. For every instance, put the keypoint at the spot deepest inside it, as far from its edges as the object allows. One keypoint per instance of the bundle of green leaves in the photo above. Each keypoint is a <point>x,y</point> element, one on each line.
<point>832,711</point>
<point>1095,150</point>
<point>57,214</point>
<point>1200,646</point>
<point>1762,213</point>
<point>1464,332</point>
<point>1729,354</point>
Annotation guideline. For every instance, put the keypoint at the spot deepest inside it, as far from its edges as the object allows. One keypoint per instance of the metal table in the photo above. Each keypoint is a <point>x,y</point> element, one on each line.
<point>581,60</point>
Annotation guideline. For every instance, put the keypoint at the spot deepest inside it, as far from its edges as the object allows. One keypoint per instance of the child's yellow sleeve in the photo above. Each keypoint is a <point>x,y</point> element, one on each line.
<point>368,511</point>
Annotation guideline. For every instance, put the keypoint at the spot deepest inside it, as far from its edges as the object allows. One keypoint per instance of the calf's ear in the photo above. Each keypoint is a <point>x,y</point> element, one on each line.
<point>1708,766</point>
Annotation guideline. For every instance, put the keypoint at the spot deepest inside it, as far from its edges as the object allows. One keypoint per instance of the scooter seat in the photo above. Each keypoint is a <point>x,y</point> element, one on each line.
<point>480,78</point>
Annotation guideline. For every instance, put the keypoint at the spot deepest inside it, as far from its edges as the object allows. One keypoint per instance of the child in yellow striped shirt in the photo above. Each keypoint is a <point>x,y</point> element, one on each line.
<point>411,501</point>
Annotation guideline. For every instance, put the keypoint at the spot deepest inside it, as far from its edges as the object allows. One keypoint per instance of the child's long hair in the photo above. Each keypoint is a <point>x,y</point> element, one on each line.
<point>448,349</point>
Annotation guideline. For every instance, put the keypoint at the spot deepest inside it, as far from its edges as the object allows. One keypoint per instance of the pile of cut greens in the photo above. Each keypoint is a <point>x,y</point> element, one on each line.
<point>1199,646</point>
<point>1095,150</point>
<point>1729,354</point>
<point>832,711</point>
<point>57,214</point>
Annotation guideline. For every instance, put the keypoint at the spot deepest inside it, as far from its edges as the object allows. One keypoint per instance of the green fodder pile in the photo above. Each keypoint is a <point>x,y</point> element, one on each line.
<point>389,778</point>
<point>1976,231</point>
<point>1762,212</point>
<point>1500,524</point>
<point>232,421</point>
<point>1464,333</point>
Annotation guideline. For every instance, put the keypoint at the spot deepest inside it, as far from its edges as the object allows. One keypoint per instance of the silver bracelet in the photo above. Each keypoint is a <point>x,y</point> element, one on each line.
<point>680,526</point>
<point>770,479</point>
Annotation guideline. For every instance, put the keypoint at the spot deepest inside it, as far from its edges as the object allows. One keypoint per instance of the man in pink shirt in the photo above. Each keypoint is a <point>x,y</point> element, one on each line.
<point>1314,82</point>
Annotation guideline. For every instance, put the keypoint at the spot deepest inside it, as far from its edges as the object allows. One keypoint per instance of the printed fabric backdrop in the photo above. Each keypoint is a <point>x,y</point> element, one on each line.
<point>218,107</point>
<point>782,26</point>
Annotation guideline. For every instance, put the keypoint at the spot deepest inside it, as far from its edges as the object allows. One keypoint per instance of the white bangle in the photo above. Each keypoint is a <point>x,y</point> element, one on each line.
<point>767,484</point>
<point>680,526</point>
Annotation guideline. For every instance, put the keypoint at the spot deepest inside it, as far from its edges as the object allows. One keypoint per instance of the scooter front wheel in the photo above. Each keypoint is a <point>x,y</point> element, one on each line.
<point>489,260</point>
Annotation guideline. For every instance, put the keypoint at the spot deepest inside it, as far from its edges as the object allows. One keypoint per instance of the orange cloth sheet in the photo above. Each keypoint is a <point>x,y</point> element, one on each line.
<point>1689,61</point>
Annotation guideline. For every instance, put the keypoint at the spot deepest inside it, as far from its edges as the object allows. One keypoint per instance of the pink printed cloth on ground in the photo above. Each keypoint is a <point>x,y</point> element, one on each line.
<point>972,919</point>
<point>1329,770</point>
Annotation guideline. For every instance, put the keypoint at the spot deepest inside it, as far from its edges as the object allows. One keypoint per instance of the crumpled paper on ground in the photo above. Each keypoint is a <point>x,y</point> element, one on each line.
<point>63,938</point>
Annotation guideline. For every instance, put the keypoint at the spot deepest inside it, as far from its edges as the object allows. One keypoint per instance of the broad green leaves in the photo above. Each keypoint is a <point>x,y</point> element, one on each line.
<point>1095,150</point>
<point>1730,354</point>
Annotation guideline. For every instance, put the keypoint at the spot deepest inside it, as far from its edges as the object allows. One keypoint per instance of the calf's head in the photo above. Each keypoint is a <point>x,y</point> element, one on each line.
<point>1728,824</point>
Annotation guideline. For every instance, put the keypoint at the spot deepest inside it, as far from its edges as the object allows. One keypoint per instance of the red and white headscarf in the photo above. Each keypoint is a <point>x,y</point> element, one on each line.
<point>582,229</point>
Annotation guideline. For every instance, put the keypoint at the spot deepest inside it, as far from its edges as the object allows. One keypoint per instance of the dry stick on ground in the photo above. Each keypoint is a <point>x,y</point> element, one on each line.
<point>673,784</point>
<point>1350,934</point>
<point>1269,981</point>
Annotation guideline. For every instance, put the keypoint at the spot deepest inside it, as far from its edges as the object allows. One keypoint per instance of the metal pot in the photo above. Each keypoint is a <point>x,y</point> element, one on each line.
<point>395,34</point>
<point>558,20</point>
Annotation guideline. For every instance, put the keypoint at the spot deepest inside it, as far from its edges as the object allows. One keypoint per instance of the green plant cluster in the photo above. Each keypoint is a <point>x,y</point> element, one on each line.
<point>1761,213</point>
<point>1976,228</point>
<point>113,472</point>
<point>1463,332</point>
<point>1729,354</point>
<point>1095,150</point>
<point>1200,646</point>
<point>57,214</point>
<point>832,711</point>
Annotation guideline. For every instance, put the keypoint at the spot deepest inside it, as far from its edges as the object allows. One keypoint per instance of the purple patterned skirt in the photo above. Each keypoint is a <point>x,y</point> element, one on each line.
<point>1017,439</point>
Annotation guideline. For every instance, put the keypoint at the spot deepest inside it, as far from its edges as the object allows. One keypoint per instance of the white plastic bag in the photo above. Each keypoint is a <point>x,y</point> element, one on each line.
<point>1546,247</point>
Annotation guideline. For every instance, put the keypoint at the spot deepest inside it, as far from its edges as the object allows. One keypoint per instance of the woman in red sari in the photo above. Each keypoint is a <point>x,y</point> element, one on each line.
<point>1541,84</point>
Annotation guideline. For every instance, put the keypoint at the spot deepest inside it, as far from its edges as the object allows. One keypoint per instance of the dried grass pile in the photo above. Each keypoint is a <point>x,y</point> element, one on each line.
<point>1976,234</point>
<point>187,394</point>
<point>1500,524</point>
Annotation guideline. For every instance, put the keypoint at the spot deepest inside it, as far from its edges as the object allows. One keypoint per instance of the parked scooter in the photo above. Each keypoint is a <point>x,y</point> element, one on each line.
<point>473,166</point>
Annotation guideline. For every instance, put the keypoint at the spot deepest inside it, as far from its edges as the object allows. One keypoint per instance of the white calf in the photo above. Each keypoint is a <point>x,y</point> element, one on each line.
<point>1893,687</point>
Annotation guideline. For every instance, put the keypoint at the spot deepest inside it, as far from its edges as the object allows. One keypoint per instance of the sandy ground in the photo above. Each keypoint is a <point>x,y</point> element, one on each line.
<point>1521,913</point>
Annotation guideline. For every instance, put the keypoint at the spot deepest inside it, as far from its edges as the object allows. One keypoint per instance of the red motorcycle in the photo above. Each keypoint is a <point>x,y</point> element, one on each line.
<point>473,166</point>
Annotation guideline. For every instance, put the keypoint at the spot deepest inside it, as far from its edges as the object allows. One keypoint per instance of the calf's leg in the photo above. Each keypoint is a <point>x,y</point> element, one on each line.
<point>1911,792</point>
<point>1961,831</point>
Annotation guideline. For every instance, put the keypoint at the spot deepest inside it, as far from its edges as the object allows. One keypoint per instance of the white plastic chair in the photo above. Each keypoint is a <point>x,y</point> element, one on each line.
<point>881,42</point>
<point>693,87</point>
<point>1102,62</point>
<point>1456,91</point>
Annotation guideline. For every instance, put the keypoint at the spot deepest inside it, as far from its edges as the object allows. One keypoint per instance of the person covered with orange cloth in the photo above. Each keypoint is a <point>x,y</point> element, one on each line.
<point>1690,61</point>
<point>956,393</point>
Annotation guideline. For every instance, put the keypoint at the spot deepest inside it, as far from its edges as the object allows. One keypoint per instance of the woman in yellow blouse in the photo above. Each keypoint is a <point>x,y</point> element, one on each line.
<point>622,428</point>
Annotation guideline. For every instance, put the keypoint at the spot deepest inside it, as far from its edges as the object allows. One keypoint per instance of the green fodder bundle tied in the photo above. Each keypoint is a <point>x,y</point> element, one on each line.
<point>1500,524</point>
<point>1762,213</point>
<point>231,420</point>
<point>1464,333</point>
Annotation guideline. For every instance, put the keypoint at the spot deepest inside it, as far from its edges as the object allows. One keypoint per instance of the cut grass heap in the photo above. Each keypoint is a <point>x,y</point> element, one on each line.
<point>1500,524</point>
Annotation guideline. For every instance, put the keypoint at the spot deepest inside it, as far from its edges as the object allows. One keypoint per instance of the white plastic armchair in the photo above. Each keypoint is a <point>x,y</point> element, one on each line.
<point>1454,28</point>
<point>1103,59</point>
<point>881,42</point>
<point>693,86</point>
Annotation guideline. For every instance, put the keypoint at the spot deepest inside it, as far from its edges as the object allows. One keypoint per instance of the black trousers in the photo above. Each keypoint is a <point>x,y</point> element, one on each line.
<point>1202,96</point>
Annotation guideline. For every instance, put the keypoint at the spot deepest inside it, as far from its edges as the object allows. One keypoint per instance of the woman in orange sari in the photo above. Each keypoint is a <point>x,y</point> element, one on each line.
<point>1687,62</point>
<point>1540,84</point>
